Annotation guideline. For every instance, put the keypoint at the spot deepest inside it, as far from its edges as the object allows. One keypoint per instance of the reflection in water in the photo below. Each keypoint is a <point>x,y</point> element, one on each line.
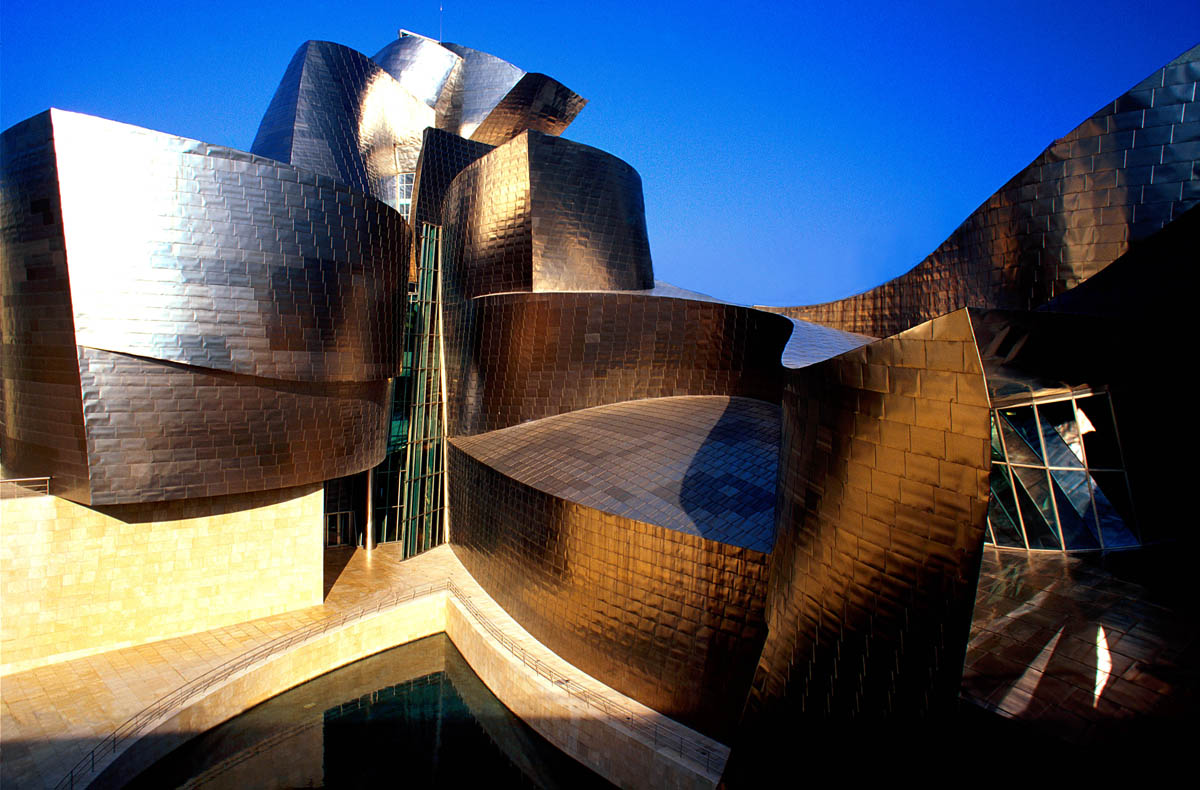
<point>415,715</point>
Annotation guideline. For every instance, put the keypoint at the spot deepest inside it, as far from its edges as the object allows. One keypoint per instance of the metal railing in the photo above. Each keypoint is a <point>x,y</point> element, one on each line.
<point>686,747</point>
<point>18,487</point>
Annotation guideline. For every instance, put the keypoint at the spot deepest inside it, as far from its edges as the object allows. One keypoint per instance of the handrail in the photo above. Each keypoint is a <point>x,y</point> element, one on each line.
<point>18,487</point>
<point>686,747</point>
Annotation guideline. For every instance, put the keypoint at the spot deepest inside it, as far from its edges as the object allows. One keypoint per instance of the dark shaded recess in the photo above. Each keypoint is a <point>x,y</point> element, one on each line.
<point>948,749</point>
<point>1149,282</point>
<point>335,561</point>
<point>1123,330</point>
<point>202,507</point>
<point>673,620</point>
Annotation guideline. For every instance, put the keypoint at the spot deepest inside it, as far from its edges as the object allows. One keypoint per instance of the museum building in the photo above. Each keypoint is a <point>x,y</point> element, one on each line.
<point>414,313</point>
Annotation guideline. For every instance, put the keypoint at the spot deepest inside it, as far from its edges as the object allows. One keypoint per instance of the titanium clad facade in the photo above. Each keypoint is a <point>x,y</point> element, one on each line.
<point>763,523</point>
<point>671,619</point>
<point>1119,177</point>
<point>703,465</point>
<point>486,79</point>
<point>422,66</point>
<point>159,431</point>
<point>537,102</point>
<point>250,323</point>
<point>228,261</point>
<point>40,401</point>
<point>339,114</point>
<point>518,357</point>
<point>544,214</point>
<point>882,501</point>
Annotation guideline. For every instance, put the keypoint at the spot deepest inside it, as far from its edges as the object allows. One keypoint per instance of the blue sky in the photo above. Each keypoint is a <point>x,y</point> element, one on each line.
<point>790,152</point>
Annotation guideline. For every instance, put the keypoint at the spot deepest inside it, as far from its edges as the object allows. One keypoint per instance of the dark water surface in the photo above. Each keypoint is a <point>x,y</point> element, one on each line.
<point>413,716</point>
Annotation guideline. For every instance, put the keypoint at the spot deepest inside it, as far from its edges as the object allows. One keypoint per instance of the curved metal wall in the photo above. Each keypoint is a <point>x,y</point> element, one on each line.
<point>41,410</point>
<point>475,94</point>
<point>536,102</point>
<point>883,492</point>
<point>517,357</point>
<point>243,341</point>
<point>158,431</point>
<point>671,619</point>
<point>422,65</point>
<point>540,213</point>
<point>700,464</point>
<point>338,113</point>
<point>1119,177</point>
<point>227,260</point>
<point>486,80</point>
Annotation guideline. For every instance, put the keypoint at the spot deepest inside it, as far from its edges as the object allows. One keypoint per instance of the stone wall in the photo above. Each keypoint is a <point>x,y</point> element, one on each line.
<point>78,580</point>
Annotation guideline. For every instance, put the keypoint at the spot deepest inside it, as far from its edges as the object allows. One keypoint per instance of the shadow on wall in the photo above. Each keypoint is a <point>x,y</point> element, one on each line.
<point>205,507</point>
<point>728,490</point>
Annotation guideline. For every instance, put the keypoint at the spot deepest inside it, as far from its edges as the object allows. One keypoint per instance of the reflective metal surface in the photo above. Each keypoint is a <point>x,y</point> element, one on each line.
<point>486,80</point>
<point>39,370</point>
<point>882,503</point>
<point>517,357</point>
<point>540,213</point>
<point>246,340</point>
<point>183,320</point>
<point>1088,650</point>
<point>422,65</point>
<point>1120,176</point>
<point>536,102</point>
<point>338,113</point>
<point>701,465</point>
<point>671,619</point>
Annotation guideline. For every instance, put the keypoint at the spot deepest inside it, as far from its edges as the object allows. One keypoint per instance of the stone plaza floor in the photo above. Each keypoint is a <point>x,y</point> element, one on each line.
<point>1074,648</point>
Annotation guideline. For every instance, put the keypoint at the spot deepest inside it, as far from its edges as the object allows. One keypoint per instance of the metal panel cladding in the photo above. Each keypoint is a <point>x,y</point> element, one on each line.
<point>203,255</point>
<point>40,405</point>
<point>671,619</point>
<point>233,316</point>
<point>338,113</point>
<point>1116,179</point>
<point>422,65</point>
<point>537,102</point>
<point>486,80</point>
<point>883,492</point>
<point>540,213</point>
<point>517,357</point>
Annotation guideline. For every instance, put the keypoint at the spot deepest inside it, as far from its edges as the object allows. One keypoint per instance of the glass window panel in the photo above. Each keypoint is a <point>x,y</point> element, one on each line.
<point>1037,509</point>
<point>1075,509</point>
<point>1111,492</point>
<point>997,448</point>
<point>1060,434</point>
<point>1020,436</point>
<point>1002,510</point>
<point>1099,435</point>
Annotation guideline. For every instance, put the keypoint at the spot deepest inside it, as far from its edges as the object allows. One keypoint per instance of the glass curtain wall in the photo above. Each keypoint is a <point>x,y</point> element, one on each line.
<point>407,502</point>
<point>1058,479</point>
<point>423,501</point>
